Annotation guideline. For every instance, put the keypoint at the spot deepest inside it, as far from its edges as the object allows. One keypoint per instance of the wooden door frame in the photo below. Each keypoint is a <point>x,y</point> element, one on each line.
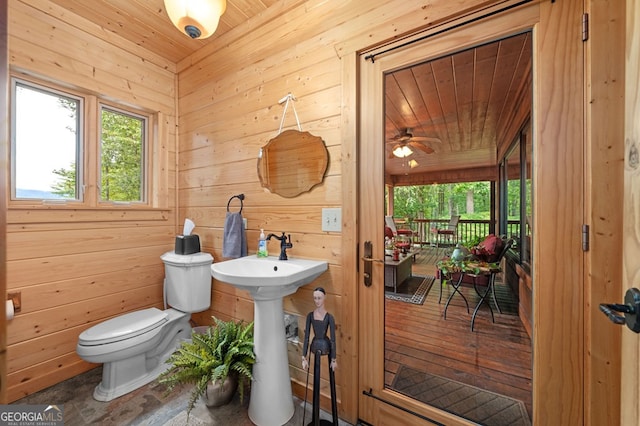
<point>559,315</point>
<point>604,195</point>
<point>630,342</point>
<point>4,149</point>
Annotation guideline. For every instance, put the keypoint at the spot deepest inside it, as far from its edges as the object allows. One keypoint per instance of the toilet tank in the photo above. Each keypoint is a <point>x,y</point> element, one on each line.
<point>188,281</point>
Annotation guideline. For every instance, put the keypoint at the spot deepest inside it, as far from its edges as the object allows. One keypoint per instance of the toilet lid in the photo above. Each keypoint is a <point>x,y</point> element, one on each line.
<point>123,327</point>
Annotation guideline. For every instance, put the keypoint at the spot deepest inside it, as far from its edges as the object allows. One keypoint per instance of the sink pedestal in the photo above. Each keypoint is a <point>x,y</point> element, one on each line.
<point>271,401</point>
<point>268,280</point>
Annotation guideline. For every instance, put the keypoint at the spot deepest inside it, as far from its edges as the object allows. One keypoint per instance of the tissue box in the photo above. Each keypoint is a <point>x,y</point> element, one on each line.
<point>187,244</point>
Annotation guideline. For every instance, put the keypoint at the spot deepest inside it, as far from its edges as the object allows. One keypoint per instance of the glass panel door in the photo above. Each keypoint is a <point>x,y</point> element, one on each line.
<point>453,336</point>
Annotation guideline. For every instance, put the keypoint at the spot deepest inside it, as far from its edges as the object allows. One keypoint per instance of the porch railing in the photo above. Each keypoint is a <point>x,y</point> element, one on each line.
<point>467,230</point>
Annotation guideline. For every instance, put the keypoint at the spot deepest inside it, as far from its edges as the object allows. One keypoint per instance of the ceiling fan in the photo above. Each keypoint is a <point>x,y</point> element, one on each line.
<point>406,140</point>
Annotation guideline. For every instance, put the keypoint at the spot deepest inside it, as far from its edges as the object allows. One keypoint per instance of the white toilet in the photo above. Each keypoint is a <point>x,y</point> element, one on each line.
<point>134,347</point>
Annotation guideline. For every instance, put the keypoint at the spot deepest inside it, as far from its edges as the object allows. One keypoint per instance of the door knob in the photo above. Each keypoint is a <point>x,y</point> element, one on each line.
<point>631,310</point>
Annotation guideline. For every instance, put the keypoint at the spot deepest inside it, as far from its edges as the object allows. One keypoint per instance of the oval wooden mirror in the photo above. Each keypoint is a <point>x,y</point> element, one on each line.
<point>292,163</point>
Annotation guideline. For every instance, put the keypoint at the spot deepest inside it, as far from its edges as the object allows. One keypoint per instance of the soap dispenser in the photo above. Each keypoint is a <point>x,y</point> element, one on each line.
<point>262,245</point>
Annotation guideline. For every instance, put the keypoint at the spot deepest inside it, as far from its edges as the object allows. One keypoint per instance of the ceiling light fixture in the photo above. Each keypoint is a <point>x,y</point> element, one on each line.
<point>196,18</point>
<point>402,151</point>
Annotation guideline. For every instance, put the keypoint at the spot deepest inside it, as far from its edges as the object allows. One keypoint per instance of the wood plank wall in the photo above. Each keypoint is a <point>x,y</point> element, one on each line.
<point>228,108</point>
<point>77,267</point>
<point>228,104</point>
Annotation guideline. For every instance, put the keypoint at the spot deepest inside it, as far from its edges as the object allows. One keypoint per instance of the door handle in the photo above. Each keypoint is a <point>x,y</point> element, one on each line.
<point>631,310</point>
<point>368,263</point>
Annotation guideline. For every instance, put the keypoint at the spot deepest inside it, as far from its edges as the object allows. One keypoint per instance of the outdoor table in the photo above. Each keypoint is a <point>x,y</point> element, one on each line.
<point>396,271</point>
<point>473,269</point>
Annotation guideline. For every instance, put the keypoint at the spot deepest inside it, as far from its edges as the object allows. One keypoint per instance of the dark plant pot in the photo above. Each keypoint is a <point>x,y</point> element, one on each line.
<point>218,394</point>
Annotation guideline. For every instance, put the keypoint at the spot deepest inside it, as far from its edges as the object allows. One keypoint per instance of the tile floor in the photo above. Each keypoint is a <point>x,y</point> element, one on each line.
<point>147,406</point>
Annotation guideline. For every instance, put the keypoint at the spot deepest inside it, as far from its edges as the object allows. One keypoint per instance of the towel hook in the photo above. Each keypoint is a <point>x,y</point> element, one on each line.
<point>239,197</point>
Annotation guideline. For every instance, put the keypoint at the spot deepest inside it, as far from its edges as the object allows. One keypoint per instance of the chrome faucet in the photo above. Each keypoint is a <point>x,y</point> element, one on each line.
<point>284,244</point>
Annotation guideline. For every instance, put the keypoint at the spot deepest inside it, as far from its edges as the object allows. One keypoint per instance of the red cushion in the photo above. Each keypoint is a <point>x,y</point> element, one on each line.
<point>489,250</point>
<point>405,232</point>
<point>388,232</point>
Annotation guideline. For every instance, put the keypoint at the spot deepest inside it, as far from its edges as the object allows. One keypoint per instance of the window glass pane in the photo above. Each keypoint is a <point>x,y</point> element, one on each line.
<point>426,208</point>
<point>121,156</point>
<point>46,129</point>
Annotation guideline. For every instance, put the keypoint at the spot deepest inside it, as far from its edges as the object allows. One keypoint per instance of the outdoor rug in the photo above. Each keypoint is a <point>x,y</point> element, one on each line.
<point>469,402</point>
<point>413,290</point>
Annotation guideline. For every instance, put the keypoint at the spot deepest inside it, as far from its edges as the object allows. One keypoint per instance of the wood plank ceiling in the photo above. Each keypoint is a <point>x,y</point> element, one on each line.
<point>146,23</point>
<point>464,99</point>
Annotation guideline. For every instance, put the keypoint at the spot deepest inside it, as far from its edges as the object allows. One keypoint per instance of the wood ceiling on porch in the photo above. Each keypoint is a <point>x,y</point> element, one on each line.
<point>467,100</point>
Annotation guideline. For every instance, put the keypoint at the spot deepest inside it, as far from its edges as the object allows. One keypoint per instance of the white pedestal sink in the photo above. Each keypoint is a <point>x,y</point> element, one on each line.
<point>269,280</point>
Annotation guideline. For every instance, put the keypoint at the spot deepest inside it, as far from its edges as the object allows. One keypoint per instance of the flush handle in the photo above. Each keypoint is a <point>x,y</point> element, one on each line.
<point>630,309</point>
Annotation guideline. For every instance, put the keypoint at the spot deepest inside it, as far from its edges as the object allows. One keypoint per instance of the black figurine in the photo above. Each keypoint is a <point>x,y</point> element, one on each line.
<point>323,323</point>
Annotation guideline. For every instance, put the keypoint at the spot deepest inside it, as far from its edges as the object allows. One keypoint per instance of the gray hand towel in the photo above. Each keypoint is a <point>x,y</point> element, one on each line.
<point>234,243</point>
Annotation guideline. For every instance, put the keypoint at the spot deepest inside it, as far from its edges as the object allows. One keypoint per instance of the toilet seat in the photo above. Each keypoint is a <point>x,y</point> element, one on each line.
<point>123,327</point>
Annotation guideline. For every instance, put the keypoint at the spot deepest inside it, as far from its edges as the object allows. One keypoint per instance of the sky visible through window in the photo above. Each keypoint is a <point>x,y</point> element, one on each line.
<point>45,133</point>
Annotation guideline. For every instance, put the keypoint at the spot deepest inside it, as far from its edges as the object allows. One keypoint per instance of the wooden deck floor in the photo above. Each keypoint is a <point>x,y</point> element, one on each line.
<point>495,356</point>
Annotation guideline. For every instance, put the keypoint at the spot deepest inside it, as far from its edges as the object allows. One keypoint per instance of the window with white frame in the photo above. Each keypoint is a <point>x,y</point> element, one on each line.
<point>122,154</point>
<point>46,141</point>
<point>53,154</point>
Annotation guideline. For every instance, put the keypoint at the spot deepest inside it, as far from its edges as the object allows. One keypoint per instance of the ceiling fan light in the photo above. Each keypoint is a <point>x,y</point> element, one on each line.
<point>196,18</point>
<point>413,163</point>
<point>402,151</point>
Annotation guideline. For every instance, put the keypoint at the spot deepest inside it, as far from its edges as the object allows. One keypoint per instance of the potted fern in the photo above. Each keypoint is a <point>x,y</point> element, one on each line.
<point>215,362</point>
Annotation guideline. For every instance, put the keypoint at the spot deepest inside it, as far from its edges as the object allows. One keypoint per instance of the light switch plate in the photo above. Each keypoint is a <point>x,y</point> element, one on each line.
<point>332,220</point>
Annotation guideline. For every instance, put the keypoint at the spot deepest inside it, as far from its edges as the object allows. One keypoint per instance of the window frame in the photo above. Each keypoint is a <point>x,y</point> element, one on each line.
<point>519,147</point>
<point>79,151</point>
<point>88,151</point>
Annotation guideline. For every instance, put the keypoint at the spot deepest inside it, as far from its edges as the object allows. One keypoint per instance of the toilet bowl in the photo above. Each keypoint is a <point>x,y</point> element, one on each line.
<point>134,347</point>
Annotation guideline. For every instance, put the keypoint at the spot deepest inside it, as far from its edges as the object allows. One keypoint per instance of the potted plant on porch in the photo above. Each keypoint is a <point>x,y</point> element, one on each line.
<point>215,362</point>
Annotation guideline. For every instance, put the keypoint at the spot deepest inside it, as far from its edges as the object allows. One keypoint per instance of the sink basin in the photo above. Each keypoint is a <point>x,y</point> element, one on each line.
<point>268,277</point>
<point>268,280</point>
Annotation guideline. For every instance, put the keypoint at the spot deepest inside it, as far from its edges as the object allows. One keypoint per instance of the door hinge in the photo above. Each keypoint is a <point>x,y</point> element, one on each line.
<point>585,237</point>
<point>585,27</point>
